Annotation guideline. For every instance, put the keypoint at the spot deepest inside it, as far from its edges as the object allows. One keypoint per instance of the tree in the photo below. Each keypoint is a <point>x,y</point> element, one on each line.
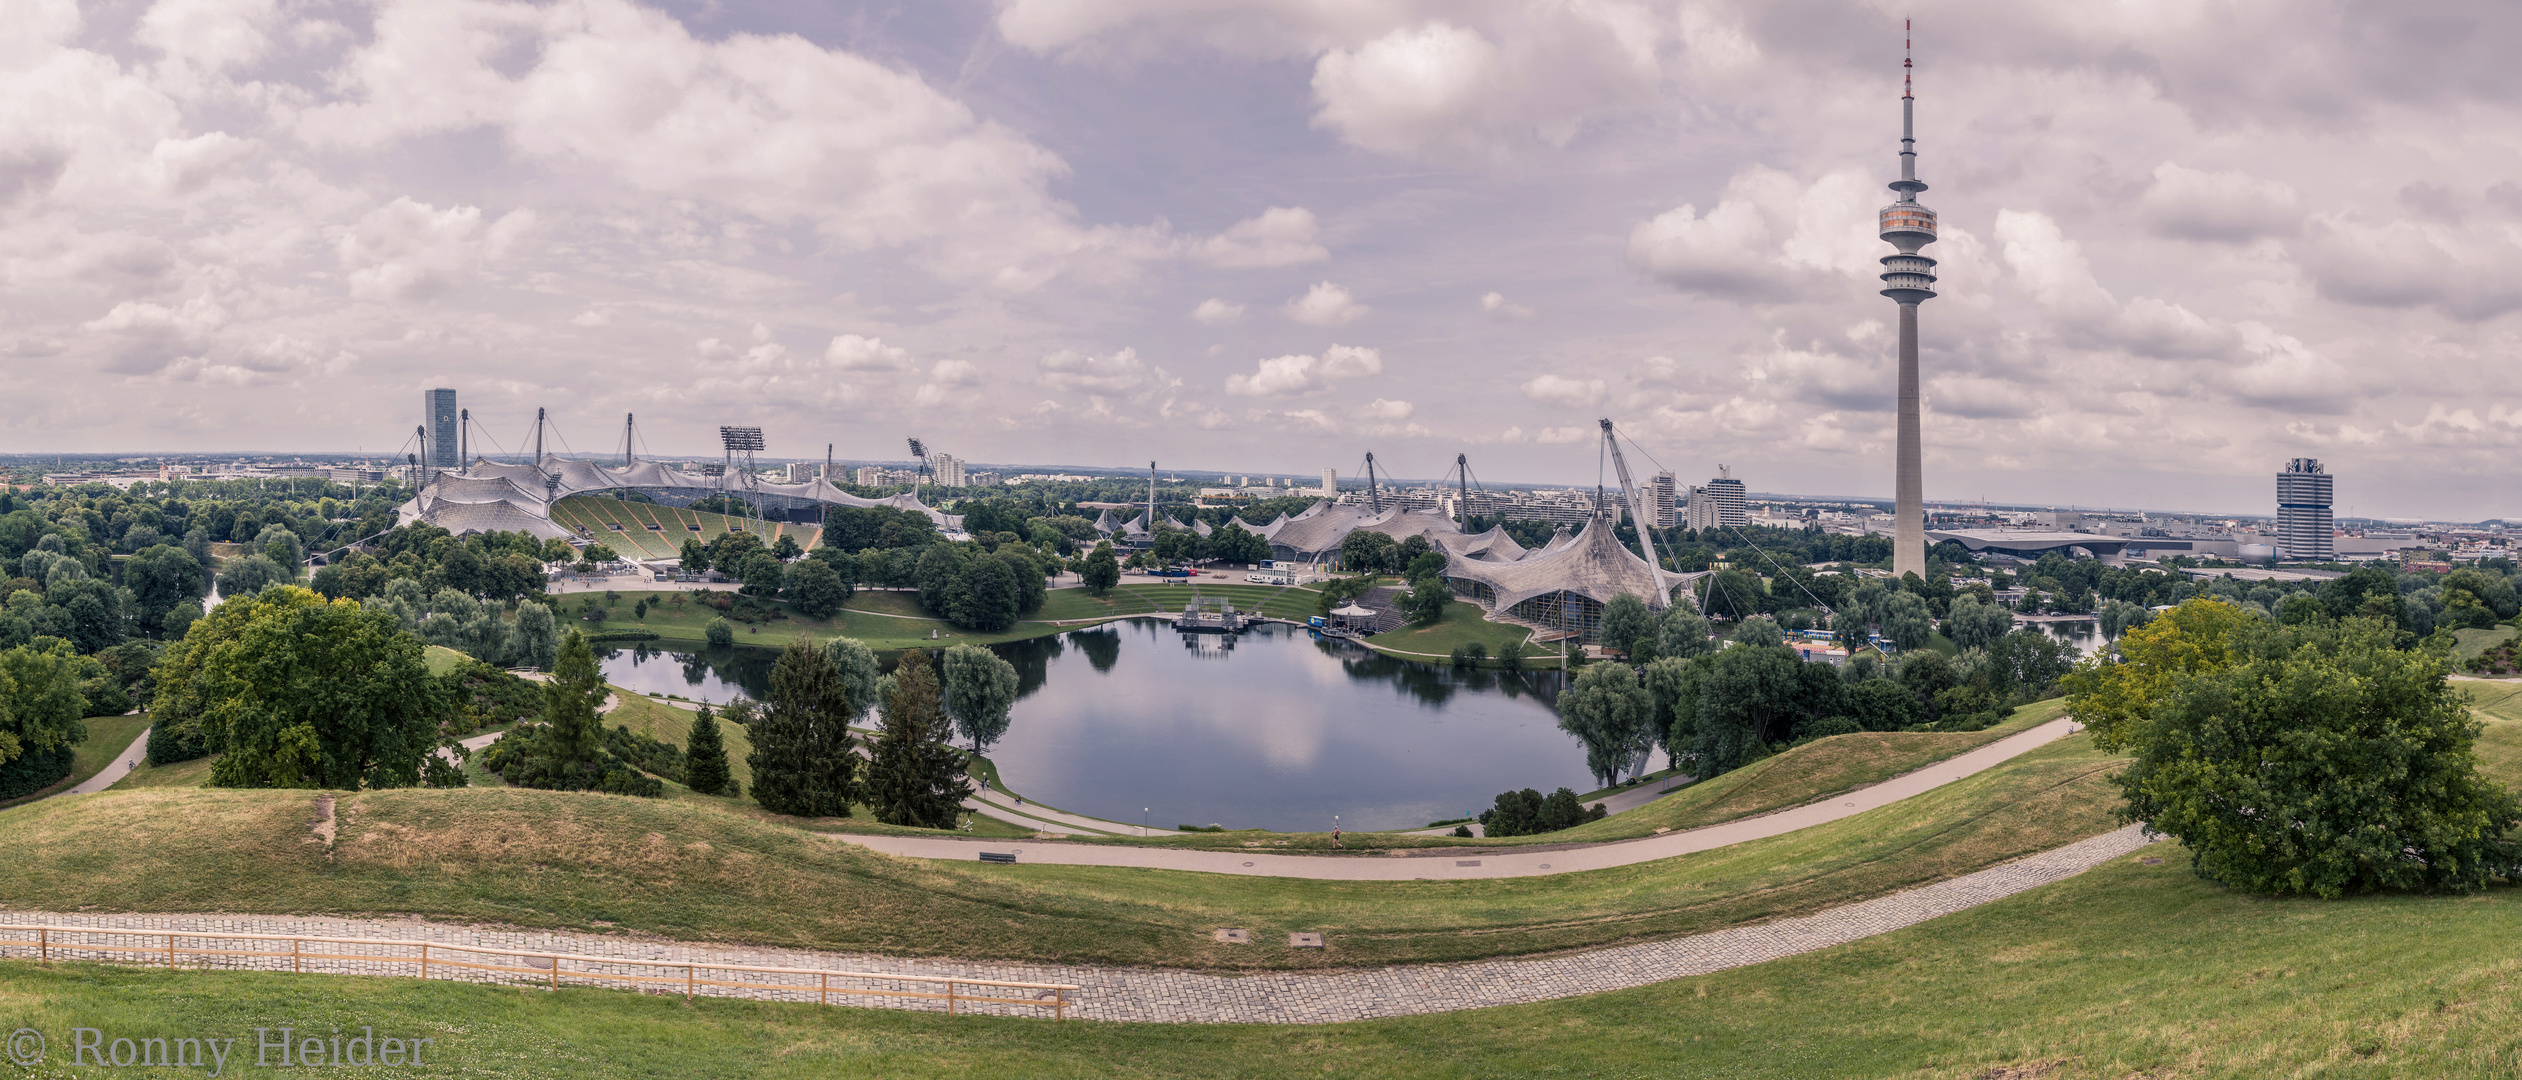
<point>705,757</point>
<point>761,573</point>
<point>2322,761</point>
<point>2115,616</point>
<point>1625,622</point>
<point>1758,630</point>
<point>1907,623</point>
<point>786,547</point>
<point>536,636</point>
<point>979,690</point>
<point>1101,571</point>
<point>1749,698</point>
<point>1367,551</point>
<point>2111,698</point>
<point>570,701</point>
<point>1426,601</point>
<point>2367,591</point>
<point>40,709</point>
<point>282,547</point>
<point>695,556</point>
<point>729,550</point>
<point>1883,705</point>
<point>983,596</point>
<point>161,578</point>
<point>1733,594</point>
<point>804,761</point>
<point>720,632</point>
<point>1682,632</point>
<point>1973,624</point>
<point>862,676</point>
<point>248,575</point>
<point>1609,711</point>
<point>914,777</point>
<point>816,588</point>
<point>1672,684</point>
<point>309,693</point>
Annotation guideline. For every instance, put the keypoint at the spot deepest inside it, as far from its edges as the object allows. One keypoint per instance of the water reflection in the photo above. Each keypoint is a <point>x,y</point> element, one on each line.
<point>1278,729</point>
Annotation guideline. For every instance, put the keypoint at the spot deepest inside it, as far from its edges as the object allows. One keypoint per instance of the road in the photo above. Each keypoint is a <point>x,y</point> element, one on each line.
<point>1450,862</point>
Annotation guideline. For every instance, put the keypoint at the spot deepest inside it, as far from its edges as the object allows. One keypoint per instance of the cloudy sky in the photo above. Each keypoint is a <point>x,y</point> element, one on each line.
<point>2182,241</point>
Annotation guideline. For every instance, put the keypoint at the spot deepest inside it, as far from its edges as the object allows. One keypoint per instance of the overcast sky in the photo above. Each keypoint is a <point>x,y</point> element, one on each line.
<point>2182,242</point>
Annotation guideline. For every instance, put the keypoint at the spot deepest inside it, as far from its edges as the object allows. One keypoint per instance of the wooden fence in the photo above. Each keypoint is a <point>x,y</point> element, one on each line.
<point>955,991</point>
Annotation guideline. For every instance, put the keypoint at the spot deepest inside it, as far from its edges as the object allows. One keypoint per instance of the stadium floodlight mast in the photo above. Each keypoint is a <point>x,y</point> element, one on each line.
<point>738,440</point>
<point>919,450</point>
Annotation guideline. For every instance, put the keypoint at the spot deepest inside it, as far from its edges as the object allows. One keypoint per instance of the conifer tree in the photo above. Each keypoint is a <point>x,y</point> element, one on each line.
<point>916,778</point>
<point>705,756</point>
<point>570,701</point>
<point>803,762</point>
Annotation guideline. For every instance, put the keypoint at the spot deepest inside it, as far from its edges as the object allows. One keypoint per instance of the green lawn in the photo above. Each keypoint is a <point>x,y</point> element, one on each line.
<point>108,737</point>
<point>688,623</point>
<point>1462,625</point>
<point>2125,971</point>
<point>2473,642</point>
<point>719,872</point>
<point>442,659</point>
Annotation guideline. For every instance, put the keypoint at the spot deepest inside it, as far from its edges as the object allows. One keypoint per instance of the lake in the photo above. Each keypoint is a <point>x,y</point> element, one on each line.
<point>1273,728</point>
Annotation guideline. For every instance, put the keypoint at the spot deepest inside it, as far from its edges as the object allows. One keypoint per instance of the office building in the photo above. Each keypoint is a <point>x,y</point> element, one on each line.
<point>1330,483</point>
<point>2304,528</point>
<point>1719,504</point>
<point>438,415</point>
<point>1663,500</point>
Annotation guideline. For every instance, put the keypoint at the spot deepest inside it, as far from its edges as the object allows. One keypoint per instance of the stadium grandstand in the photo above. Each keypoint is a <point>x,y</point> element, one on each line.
<point>584,501</point>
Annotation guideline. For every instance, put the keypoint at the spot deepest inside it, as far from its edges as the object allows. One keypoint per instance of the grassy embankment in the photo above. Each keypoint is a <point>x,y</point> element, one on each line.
<point>687,870</point>
<point>2128,970</point>
<point>108,737</point>
<point>888,620</point>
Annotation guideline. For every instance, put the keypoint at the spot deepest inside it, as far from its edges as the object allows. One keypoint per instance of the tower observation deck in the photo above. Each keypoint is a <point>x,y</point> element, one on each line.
<point>1909,279</point>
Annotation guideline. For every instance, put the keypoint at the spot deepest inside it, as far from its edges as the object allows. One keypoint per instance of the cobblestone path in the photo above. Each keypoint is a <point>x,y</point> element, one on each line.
<point>1140,994</point>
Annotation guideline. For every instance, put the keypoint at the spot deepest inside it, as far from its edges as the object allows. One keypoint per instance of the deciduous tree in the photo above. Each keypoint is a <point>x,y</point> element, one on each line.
<point>979,692</point>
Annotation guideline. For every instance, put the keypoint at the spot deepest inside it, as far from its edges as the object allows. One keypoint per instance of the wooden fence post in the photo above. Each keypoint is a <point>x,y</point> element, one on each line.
<point>825,997</point>
<point>297,963</point>
<point>44,941</point>
<point>950,997</point>
<point>424,961</point>
<point>170,950</point>
<point>687,983</point>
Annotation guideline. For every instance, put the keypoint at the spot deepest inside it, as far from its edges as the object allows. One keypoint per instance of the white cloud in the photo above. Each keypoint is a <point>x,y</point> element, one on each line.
<point>851,352</point>
<point>1326,305</point>
<point>1380,409</point>
<point>1294,376</point>
<point>1217,312</point>
<point>1560,436</point>
<point>1559,390</point>
<point>954,373</point>
<point>1280,236</point>
<point>1498,306</point>
<point>1120,373</point>
<point>1769,237</point>
<point>410,250</point>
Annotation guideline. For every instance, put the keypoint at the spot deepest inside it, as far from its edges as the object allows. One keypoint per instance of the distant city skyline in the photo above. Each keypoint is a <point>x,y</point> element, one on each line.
<point>1250,232</point>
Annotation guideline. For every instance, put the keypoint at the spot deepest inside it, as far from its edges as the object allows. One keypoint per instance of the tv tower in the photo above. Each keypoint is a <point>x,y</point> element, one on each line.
<point>1909,279</point>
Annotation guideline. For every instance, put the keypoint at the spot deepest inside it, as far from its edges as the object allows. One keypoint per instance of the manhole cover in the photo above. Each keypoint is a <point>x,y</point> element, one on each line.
<point>1466,862</point>
<point>1304,941</point>
<point>2149,862</point>
<point>1232,937</point>
<point>1247,864</point>
<point>1545,866</point>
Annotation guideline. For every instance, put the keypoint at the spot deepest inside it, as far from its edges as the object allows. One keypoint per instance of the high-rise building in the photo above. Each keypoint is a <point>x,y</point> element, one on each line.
<point>2304,527</point>
<point>1719,504</point>
<point>947,469</point>
<point>1662,499</point>
<point>437,410</point>
<point>1330,483</point>
<point>1909,280</point>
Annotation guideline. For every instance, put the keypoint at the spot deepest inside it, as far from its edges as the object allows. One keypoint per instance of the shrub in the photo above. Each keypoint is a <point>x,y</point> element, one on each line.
<point>647,752</point>
<point>721,632</point>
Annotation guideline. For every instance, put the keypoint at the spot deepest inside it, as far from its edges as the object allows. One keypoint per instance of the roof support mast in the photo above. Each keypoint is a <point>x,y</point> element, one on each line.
<point>1151,498</point>
<point>1462,478</point>
<point>1374,498</point>
<point>1638,517</point>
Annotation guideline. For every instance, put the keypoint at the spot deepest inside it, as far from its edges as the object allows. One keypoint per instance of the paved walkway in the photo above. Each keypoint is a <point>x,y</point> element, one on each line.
<point>999,804</point>
<point>114,770</point>
<point>1447,863</point>
<point>1146,995</point>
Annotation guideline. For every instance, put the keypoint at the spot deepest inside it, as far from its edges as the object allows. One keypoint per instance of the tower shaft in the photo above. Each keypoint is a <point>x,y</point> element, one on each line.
<point>1909,534</point>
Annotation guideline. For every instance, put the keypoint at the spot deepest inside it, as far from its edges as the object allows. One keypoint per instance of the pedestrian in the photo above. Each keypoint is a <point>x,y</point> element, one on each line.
<point>1335,837</point>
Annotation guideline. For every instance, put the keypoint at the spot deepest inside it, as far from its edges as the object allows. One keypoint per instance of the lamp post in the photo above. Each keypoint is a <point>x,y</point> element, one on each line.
<point>1144,829</point>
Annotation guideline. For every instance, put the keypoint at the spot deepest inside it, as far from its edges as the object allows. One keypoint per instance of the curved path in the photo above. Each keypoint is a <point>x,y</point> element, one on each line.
<point>114,770</point>
<point>1142,994</point>
<point>1445,863</point>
